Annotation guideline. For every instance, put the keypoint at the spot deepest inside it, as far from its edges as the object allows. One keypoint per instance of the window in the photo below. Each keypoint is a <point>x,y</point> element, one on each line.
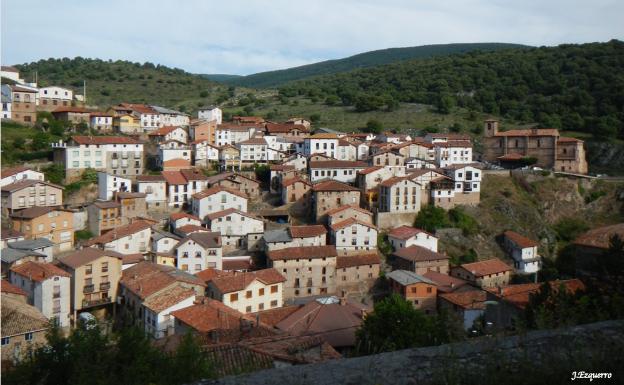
<point>5,340</point>
<point>261,291</point>
<point>248,309</point>
<point>104,267</point>
<point>28,336</point>
<point>234,297</point>
<point>261,306</point>
<point>88,269</point>
<point>274,303</point>
<point>273,289</point>
<point>429,290</point>
<point>248,294</point>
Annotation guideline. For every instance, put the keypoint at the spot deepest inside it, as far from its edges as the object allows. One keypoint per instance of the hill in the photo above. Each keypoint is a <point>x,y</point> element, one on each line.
<point>572,87</point>
<point>221,77</point>
<point>363,60</point>
<point>110,82</point>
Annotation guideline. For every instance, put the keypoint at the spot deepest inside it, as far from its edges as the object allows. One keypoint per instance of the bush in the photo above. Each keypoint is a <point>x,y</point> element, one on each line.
<point>431,218</point>
<point>569,228</point>
<point>460,219</point>
<point>83,235</point>
<point>594,195</point>
<point>373,126</point>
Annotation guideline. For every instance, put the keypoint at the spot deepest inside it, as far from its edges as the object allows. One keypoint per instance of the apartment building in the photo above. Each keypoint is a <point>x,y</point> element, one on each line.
<point>326,144</point>
<point>357,273</point>
<point>199,251</point>
<point>399,195</point>
<point>217,199</point>
<point>50,98</point>
<point>29,193</point>
<point>53,223</point>
<point>239,230</point>
<point>101,122</point>
<point>420,260</point>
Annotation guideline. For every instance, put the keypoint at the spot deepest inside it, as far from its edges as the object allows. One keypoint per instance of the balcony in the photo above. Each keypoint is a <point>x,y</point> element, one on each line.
<point>104,286</point>
<point>88,288</point>
<point>56,295</point>
<point>95,302</point>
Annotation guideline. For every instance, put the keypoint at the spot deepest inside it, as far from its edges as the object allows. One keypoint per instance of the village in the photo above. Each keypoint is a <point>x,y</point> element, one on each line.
<point>257,235</point>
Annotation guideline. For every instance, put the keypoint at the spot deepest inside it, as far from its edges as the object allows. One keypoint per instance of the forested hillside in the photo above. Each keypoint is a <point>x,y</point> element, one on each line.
<point>363,60</point>
<point>110,82</point>
<point>573,87</point>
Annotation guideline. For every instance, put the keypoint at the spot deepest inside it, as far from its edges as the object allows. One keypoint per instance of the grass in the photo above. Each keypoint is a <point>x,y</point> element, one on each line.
<point>12,131</point>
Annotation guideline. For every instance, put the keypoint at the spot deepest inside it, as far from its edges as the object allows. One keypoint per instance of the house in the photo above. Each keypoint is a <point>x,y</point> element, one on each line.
<point>235,133</point>
<point>420,260</point>
<point>17,252</point>
<point>9,235</point>
<point>399,195</point>
<point>95,276</point>
<point>155,189</point>
<point>468,305</point>
<point>352,235</point>
<point>217,199</point>
<point>406,236</point>
<point>308,270</point>
<point>172,150</point>
<point>342,213</point>
<point>128,239</point>
<point>339,170</point>
<point>19,173</point>
<point>335,320</point>
<point>163,241</point>
<point>467,179</point>
<point>23,104</point>
<point>52,97</point>
<point>249,292</point>
<point>593,244</point>
<point>204,152</point>
<point>116,155</point>
<point>48,289</point>
<point>296,190</point>
<point>150,293</point>
<point>326,144</point>
<point>229,155</point>
<point>127,123</point>
<point>489,273</point>
<point>198,251</point>
<point>236,181</point>
<point>149,118</point>
<point>104,216</point>
<point>133,204</point>
<point>452,152</point>
<point>417,163</point>
<point>356,273</point>
<point>286,129</point>
<point>447,284</point>
<point>30,193</point>
<point>23,328</point>
<point>331,194</point>
<point>167,133</point>
<point>182,184</point>
<point>253,150</point>
<point>203,130</point>
<point>169,117</point>
<point>552,151</point>
<point>523,251</point>
<point>210,113</point>
<point>346,151</point>
<point>369,178</point>
<point>299,121</point>
<point>414,288</point>
<point>295,236</point>
<point>178,220</point>
<point>108,185</point>
<point>239,230</point>
<point>74,115</point>
<point>388,157</point>
<point>101,122</point>
<point>52,223</point>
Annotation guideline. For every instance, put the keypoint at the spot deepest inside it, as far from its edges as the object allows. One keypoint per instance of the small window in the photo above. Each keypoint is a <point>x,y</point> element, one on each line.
<point>28,336</point>
<point>274,289</point>
<point>234,297</point>
<point>5,340</point>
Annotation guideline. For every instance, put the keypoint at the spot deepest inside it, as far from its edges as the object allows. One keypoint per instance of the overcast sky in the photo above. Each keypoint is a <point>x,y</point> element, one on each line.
<point>243,37</point>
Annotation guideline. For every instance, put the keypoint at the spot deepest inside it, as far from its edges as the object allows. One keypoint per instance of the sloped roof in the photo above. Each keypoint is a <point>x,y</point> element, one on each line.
<point>35,212</point>
<point>520,240</point>
<point>351,221</point>
<point>120,232</point>
<point>405,232</point>
<point>338,164</point>
<point>223,213</point>
<point>518,295</point>
<point>87,140</point>
<point>27,183</point>
<point>87,255</point>
<point>444,282</point>
<point>405,277</point>
<point>419,254</point>
<point>210,315</point>
<point>146,278</point>
<point>486,267</point>
<point>332,185</point>
<point>471,299</point>
<point>8,288</point>
<point>38,272</point>
<point>240,281</point>
<point>164,130</point>
<point>19,318</point>
<point>303,252</point>
<point>206,239</point>
<point>600,237</point>
<point>530,132</point>
<point>217,189</point>
<point>307,231</point>
<point>31,244</point>
<point>7,172</point>
<point>357,260</point>
<point>168,298</point>
<point>273,316</point>
<point>347,207</point>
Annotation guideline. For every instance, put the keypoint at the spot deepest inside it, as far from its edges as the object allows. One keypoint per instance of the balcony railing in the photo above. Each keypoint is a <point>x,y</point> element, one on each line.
<point>95,302</point>
<point>105,286</point>
<point>88,289</point>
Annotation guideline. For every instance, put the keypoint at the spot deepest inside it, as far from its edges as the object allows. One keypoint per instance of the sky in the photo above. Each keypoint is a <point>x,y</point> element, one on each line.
<point>244,37</point>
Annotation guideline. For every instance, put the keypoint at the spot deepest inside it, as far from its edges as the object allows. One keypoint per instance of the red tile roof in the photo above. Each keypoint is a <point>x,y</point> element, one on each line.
<point>394,180</point>
<point>223,213</point>
<point>599,237</point>
<point>236,264</point>
<point>176,162</point>
<point>146,278</point>
<point>177,216</point>
<point>332,185</point>
<point>217,189</point>
<point>519,295</point>
<point>121,232</point>
<point>192,174</point>
<point>87,140</point>
<point>338,164</point>
<point>307,231</point>
<point>209,315</point>
<point>150,178</point>
<point>7,287</point>
<point>347,207</point>
<point>369,170</point>
<point>445,283</point>
<point>487,267</point>
<point>357,260</point>
<point>174,177</point>
<point>565,139</point>
<point>471,299</point>
<point>240,281</point>
<point>39,272</point>
<point>168,298</point>
<point>212,273</point>
<point>405,232</point>
<point>163,131</point>
<point>293,180</point>
<point>419,254</point>
<point>530,132</point>
<point>7,172</point>
<point>351,221</point>
<point>87,255</point>
<point>76,110</point>
<point>272,317</point>
<point>308,252</point>
<point>520,240</point>
<point>190,229</point>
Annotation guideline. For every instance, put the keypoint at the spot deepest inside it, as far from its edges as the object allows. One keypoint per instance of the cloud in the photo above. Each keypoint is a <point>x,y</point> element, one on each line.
<point>249,36</point>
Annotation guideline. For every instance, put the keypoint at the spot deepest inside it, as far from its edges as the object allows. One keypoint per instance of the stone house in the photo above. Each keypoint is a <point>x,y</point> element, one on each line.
<point>53,223</point>
<point>295,236</point>
<point>296,190</point>
<point>488,273</point>
<point>420,260</point>
<point>414,288</point>
<point>356,273</point>
<point>330,194</point>
<point>342,213</point>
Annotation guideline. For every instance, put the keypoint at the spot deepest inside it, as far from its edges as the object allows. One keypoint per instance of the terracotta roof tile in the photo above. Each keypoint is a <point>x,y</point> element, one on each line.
<point>217,189</point>
<point>223,213</point>
<point>7,172</point>
<point>120,232</point>
<point>357,260</point>
<point>168,298</point>
<point>338,164</point>
<point>518,295</point>
<point>347,207</point>
<point>9,288</point>
<point>293,180</point>
<point>486,267</point>
<point>39,272</point>
<point>272,317</point>
<point>210,315</point>
<point>530,132</point>
<point>212,273</point>
<point>351,221</point>
<point>19,318</point>
<point>444,282</point>
<point>163,131</point>
<point>471,299</point>
<point>177,216</point>
<point>87,255</point>
<point>307,231</point>
<point>88,140</point>
<point>520,240</point>
<point>332,185</point>
<point>150,178</point>
<point>146,278</point>
<point>302,253</point>
<point>240,281</point>
<point>419,254</point>
<point>599,237</point>
<point>405,232</point>
<point>174,177</point>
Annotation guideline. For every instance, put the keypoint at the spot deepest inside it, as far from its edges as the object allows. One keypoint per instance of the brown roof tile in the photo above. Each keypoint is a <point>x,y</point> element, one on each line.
<point>357,260</point>
<point>332,185</point>
<point>419,254</point>
<point>146,278</point>
<point>9,288</point>
<point>87,255</point>
<point>39,272</point>
<point>520,240</point>
<point>240,281</point>
<point>168,298</point>
<point>338,164</point>
<point>471,299</point>
<point>486,267</point>
<point>307,231</point>
<point>405,232</point>
<point>217,189</point>
<point>120,232</point>
<point>272,317</point>
<point>87,140</point>
<point>309,252</point>
<point>210,315</point>
<point>600,237</point>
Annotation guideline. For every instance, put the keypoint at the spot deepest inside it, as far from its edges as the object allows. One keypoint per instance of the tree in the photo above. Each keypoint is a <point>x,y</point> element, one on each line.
<point>365,103</point>
<point>203,94</point>
<point>431,218</point>
<point>248,110</point>
<point>315,118</point>
<point>445,104</point>
<point>374,126</point>
<point>41,141</point>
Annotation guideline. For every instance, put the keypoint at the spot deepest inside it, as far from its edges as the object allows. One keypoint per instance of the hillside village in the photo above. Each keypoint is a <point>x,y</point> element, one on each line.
<point>271,238</point>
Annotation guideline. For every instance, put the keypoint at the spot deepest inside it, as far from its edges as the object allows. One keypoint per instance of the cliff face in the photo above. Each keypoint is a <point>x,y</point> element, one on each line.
<point>605,157</point>
<point>538,357</point>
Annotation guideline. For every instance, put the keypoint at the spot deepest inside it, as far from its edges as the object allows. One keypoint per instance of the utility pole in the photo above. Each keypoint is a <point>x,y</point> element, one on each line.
<point>84,92</point>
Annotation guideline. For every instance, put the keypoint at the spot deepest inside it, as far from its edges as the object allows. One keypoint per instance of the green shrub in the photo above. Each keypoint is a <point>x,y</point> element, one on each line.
<point>431,218</point>
<point>569,228</point>
<point>462,220</point>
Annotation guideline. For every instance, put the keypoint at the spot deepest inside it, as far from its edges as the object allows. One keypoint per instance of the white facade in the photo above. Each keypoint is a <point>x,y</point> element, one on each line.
<point>193,257</point>
<point>467,179</point>
<point>166,153</point>
<point>350,235</point>
<point>103,120</point>
<point>51,296</point>
<point>99,156</point>
<point>346,151</point>
<point>402,196</point>
<point>155,192</point>
<point>138,242</point>
<point>22,175</point>
<point>362,151</point>
<point>320,145</point>
<point>179,194</point>
<point>421,239</point>
<point>237,229</point>
<point>343,174</point>
<point>204,153</point>
<point>255,297</point>
<point>163,242</point>
<point>218,201</point>
<point>232,134</point>
<point>110,184</point>
<point>254,150</point>
<point>173,119</point>
<point>149,121</point>
<point>56,93</point>
<point>211,114</point>
<point>158,324</point>
<point>447,154</point>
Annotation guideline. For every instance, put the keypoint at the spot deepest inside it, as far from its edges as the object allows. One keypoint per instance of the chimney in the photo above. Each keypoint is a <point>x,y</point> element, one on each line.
<point>534,130</point>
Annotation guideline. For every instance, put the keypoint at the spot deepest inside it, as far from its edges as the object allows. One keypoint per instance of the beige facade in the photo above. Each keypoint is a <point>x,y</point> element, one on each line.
<point>329,195</point>
<point>55,224</point>
<point>23,106</point>
<point>30,193</point>
<point>104,216</point>
<point>356,273</point>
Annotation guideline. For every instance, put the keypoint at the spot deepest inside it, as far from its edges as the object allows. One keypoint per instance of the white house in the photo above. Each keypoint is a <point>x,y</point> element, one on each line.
<point>48,288</point>
<point>406,236</point>
<point>353,235</point>
<point>341,170</point>
<point>166,133</point>
<point>6,97</point>
<point>253,150</point>
<point>417,163</point>
<point>169,117</point>
<point>453,152</point>
<point>523,251</point>
<point>155,189</point>
<point>363,150</point>
<point>15,174</point>
<point>199,251</point>
<point>239,230</point>
<point>163,241</point>
<point>295,236</point>
<point>204,152</point>
<point>370,177</point>
<point>172,149</point>
<point>157,308</point>
<point>133,238</point>
<point>346,150</point>
<point>177,220</point>
<point>234,133</point>
<point>249,292</point>
<point>108,185</point>
<point>354,211</point>
<point>101,121</point>
<point>211,113</point>
<point>56,93</point>
<point>217,198</point>
<point>326,144</point>
<point>399,194</point>
<point>182,184</point>
<point>467,178</point>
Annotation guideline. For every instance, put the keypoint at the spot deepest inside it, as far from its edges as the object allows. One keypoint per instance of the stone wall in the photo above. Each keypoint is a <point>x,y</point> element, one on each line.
<point>591,348</point>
